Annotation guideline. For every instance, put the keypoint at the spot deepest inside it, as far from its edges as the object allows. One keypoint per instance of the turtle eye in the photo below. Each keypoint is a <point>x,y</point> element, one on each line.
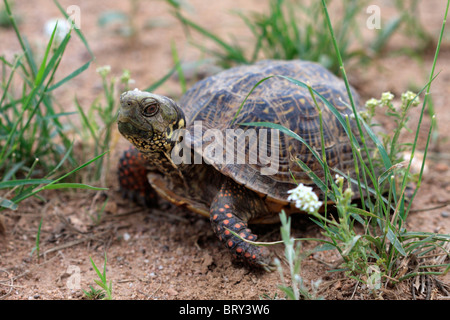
<point>151,109</point>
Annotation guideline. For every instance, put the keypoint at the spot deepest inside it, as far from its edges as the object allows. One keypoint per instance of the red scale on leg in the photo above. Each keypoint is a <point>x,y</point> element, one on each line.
<point>133,178</point>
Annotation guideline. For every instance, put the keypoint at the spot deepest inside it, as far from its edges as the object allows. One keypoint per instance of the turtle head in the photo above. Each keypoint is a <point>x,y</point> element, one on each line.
<point>149,120</point>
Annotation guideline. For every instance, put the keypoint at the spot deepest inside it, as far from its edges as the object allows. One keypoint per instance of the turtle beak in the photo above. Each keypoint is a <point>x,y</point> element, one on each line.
<point>123,120</point>
<point>122,116</point>
<point>128,106</point>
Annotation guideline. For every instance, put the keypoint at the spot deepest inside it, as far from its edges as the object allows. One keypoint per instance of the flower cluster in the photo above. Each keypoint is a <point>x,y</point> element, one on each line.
<point>386,98</point>
<point>104,70</point>
<point>305,199</point>
<point>372,103</point>
<point>339,180</point>
<point>409,97</point>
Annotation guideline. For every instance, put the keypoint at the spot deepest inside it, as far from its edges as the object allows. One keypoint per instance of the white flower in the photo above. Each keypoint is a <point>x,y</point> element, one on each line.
<point>348,193</point>
<point>104,70</point>
<point>372,103</point>
<point>339,179</point>
<point>409,96</point>
<point>305,199</point>
<point>125,78</point>
<point>386,98</point>
<point>61,31</point>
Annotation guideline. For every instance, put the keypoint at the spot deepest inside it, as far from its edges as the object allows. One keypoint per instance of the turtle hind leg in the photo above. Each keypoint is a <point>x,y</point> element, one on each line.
<point>231,209</point>
<point>133,180</point>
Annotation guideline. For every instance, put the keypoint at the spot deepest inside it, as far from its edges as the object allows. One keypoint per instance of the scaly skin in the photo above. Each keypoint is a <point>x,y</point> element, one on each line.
<point>133,180</point>
<point>230,211</point>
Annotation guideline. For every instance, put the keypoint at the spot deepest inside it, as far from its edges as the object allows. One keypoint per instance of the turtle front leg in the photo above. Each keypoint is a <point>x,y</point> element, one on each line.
<point>133,179</point>
<point>231,209</point>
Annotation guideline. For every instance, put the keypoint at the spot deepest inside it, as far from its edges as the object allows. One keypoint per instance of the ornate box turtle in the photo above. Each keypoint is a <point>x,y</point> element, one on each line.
<point>233,193</point>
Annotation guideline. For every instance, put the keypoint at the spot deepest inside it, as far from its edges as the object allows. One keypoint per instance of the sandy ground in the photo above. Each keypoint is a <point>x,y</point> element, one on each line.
<point>171,253</point>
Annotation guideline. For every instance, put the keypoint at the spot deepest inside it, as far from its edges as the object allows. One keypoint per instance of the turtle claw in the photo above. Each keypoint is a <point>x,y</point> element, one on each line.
<point>266,261</point>
<point>268,267</point>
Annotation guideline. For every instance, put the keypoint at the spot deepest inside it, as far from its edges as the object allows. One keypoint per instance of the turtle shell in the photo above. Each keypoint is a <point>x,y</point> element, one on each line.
<point>214,101</point>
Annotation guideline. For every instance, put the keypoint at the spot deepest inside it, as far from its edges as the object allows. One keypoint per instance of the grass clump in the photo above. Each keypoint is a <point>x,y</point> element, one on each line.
<point>288,31</point>
<point>37,247</point>
<point>30,122</point>
<point>291,30</point>
<point>34,145</point>
<point>105,293</point>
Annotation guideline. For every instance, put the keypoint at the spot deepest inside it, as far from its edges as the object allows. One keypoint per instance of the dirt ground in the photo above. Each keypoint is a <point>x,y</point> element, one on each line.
<point>171,253</point>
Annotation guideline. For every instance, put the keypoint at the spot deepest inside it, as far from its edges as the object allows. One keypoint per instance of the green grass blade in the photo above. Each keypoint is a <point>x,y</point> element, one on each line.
<point>245,99</point>
<point>86,122</point>
<point>47,186</point>
<point>69,150</point>
<point>80,167</point>
<point>422,235</point>
<point>6,152</point>
<point>386,174</point>
<point>361,212</point>
<point>31,62</point>
<point>177,62</point>
<point>17,183</point>
<point>13,67</point>
<point>431,78</point>
<point>349,93</point>
<point>97,272</point>
<point>11,172</point>
<point>42,68</point>
<point>384,155</point>
<point>232,51</point>
<point>163,79</point>
<point>54,61</point>
<point>70,76</point>
<point>316,180</point>
<point>71,186</point>
<point>23,44</point>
